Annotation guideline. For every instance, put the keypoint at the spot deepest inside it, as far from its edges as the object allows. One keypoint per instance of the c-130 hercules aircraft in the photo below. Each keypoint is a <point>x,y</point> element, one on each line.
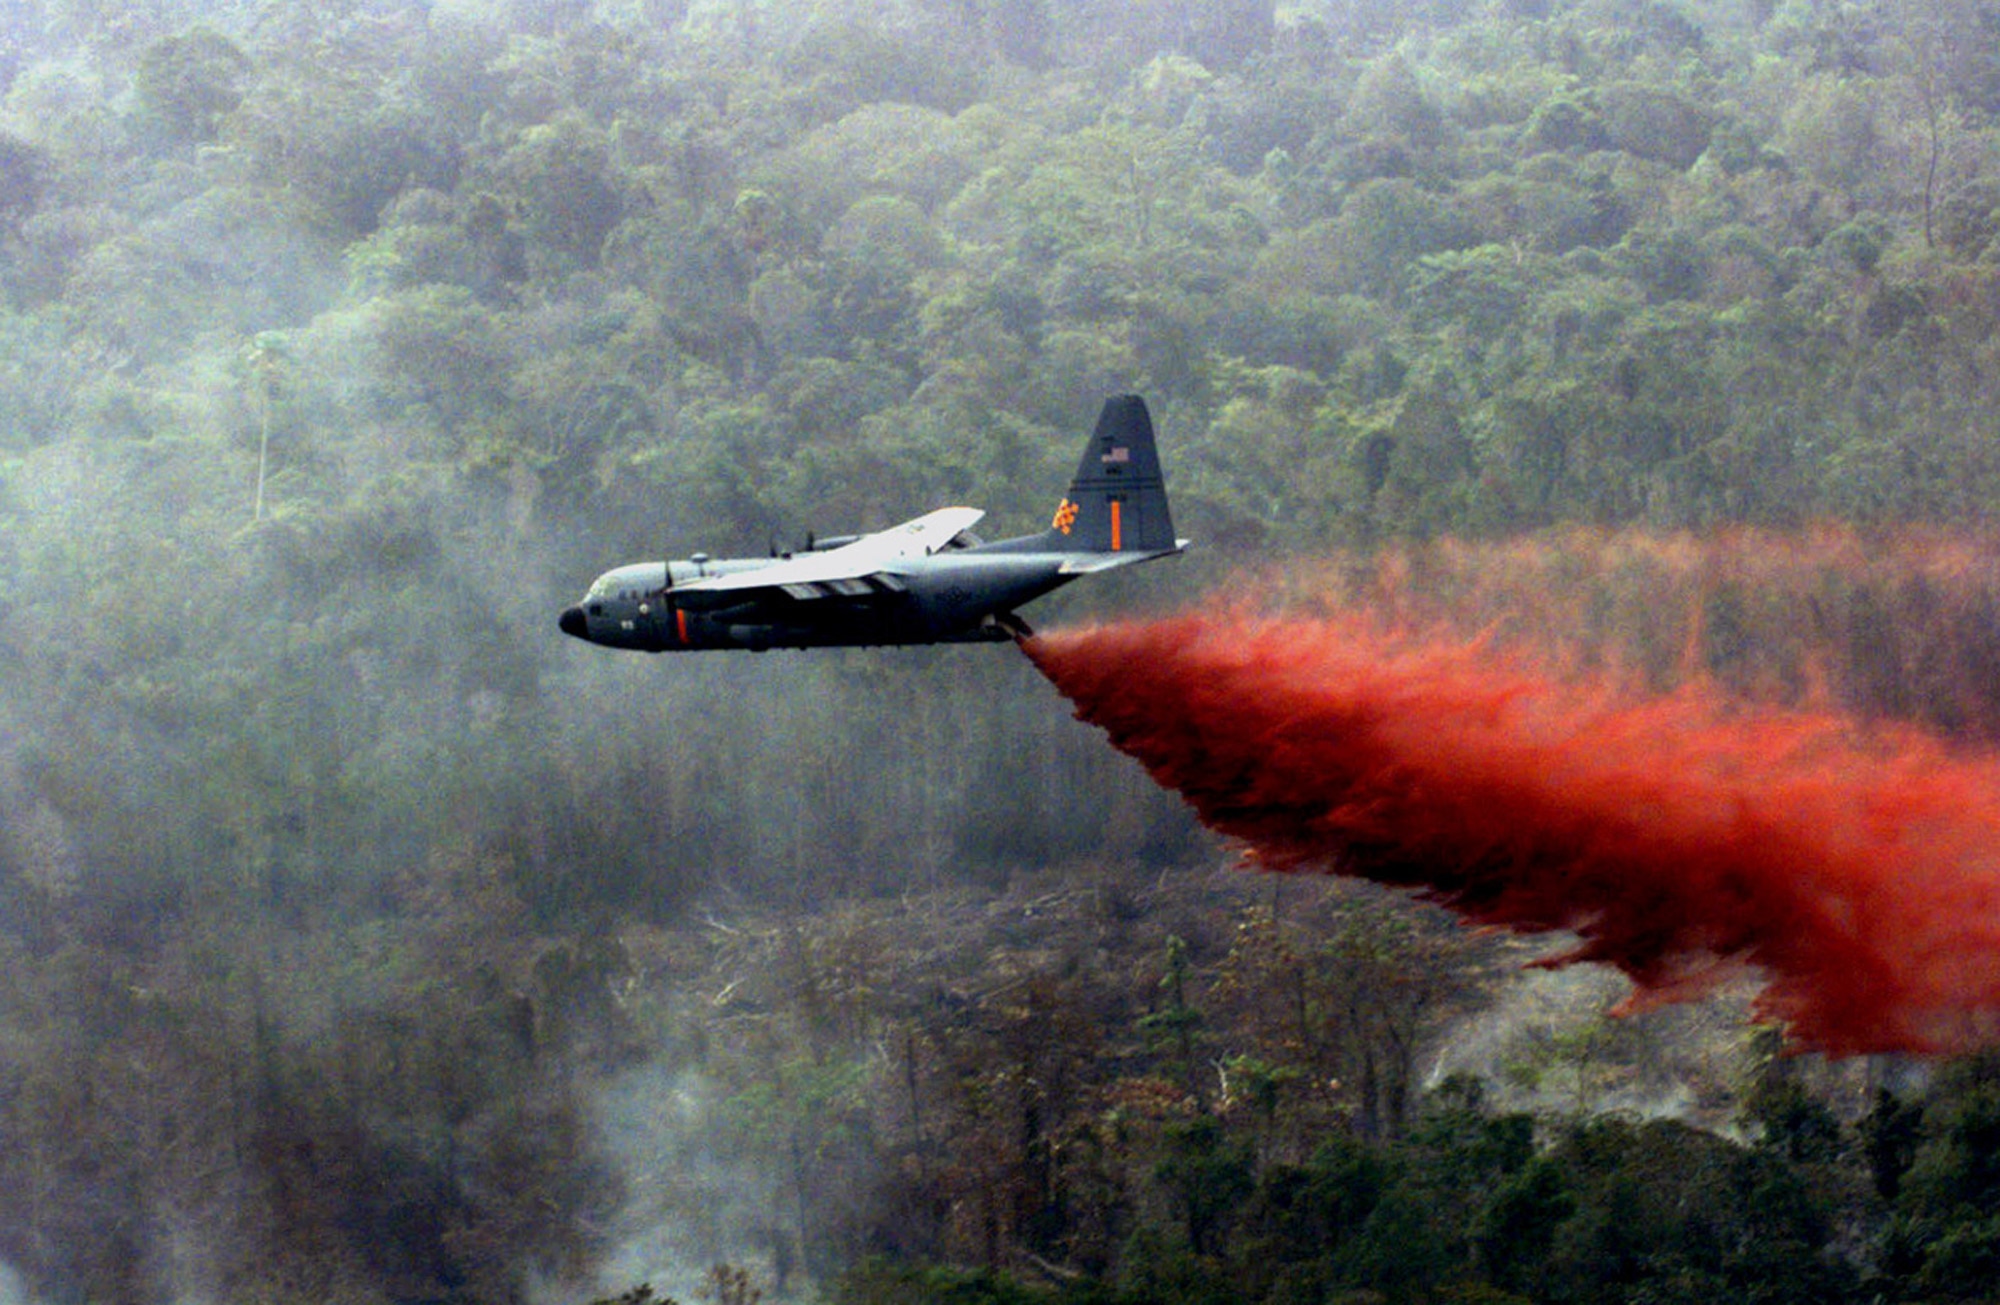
<point>926,581</point>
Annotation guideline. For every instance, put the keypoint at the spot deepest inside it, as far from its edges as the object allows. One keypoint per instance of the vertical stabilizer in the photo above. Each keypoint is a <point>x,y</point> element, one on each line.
<point>1118,501</point>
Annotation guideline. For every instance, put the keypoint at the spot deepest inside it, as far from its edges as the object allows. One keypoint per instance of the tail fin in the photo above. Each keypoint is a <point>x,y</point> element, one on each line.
<point>1118,501</point>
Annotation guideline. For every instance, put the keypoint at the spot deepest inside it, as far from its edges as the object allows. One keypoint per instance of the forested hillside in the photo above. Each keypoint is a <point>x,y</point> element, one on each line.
<point>354,924</point>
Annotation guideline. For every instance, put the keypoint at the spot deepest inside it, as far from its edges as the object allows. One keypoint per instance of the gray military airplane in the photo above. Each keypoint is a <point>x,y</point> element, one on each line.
<point>930,580</point>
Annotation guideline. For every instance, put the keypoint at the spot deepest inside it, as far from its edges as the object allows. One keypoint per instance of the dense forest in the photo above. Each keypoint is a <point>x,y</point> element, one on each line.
<point>363,939</point>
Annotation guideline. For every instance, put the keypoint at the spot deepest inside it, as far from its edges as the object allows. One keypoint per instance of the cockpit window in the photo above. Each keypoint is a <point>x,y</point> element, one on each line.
<point>628,584</point>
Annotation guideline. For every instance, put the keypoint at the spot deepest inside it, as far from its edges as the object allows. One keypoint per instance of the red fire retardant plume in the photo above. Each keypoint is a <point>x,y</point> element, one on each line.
<point>1682,838</point>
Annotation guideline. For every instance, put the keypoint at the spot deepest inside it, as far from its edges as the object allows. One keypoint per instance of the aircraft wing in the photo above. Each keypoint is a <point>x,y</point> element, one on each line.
<point>853,570</point>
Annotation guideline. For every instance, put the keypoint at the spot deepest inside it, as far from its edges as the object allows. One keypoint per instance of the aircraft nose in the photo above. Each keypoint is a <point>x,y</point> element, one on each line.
<point>572,623</point>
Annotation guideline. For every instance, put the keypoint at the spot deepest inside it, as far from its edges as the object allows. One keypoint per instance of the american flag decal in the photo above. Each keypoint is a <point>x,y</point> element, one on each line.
<point>1118,454</point>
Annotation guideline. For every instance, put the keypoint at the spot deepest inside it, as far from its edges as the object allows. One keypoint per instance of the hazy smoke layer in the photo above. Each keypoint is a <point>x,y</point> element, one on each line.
<point>1681,837</point>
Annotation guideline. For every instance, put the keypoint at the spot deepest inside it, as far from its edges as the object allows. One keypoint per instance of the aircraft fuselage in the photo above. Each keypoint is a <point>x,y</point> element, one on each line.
<point>964,597</point>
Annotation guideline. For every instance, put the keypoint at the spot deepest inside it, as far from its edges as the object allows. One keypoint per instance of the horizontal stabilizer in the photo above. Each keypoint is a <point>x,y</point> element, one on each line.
<point>1092,563</point>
